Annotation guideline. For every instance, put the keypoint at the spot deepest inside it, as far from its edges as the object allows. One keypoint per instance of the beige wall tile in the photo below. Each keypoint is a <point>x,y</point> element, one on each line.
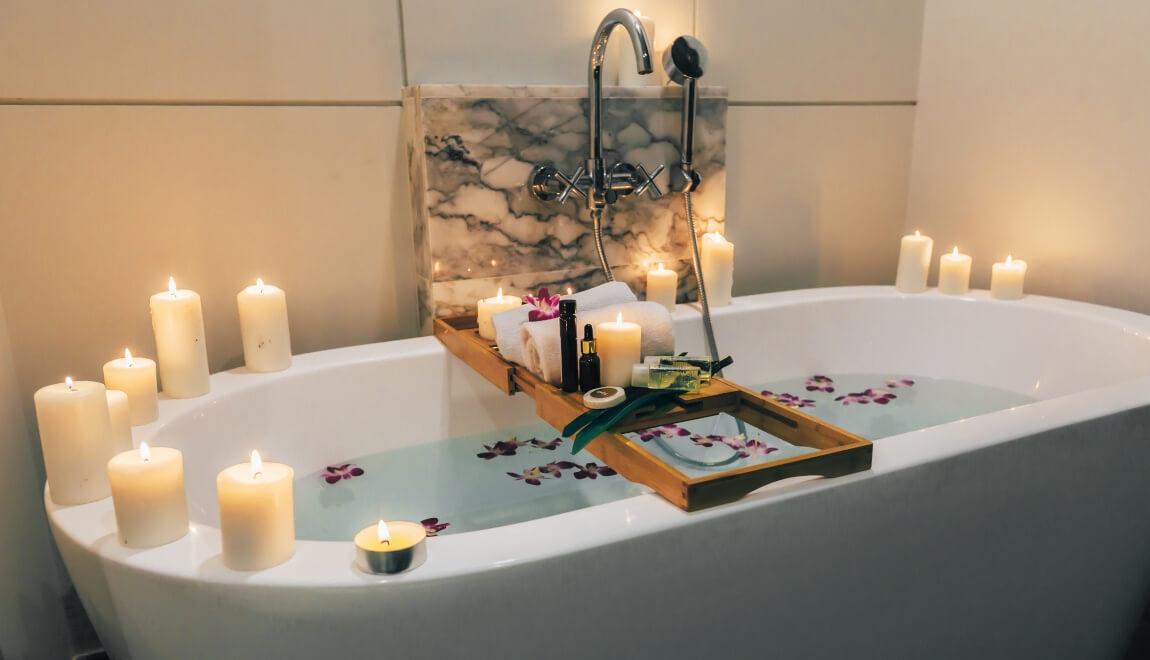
<point>798,50</point>
<point>1032,137</point>
<point>816,196</point>
<point>200,49</point>
<point>517,41</point>
<point>100,204</point>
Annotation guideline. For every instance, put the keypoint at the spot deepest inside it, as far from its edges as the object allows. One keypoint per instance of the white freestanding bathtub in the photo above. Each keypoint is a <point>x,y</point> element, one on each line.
<point>1022,533</point>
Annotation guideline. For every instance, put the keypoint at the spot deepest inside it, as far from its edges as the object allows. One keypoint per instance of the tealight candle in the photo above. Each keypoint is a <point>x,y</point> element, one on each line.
<point>914,263</point>
<point>148,496</point>
<point>257,524</point>
<point>135,377</point>
<point>717,259</point>
<point>392,547</point>
<point>264,327</point>
<point>489,307</point>
<point>662,286</point>
<point>954,273</point>
<point>119,413</point>
<point>178,323</point>
<point>76,438</point>
<point>620,348</point>
<point>1006,279</point>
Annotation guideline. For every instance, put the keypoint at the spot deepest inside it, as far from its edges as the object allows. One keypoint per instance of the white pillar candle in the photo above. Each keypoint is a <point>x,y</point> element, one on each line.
<point>717,257</point>
<point>954,273</point>
<point>135,377</point>
<point>178,324</point>
<point>1006,279</point>
<point>257,524</point>
<point>914,263</point>
<point>148,495</point>
<point>662,286</point>
<point>619,345</point>
<point>264,327</point>
<point>623,57</point>
<point>488,307</point>
<point>76,437</point>
<point>119,413</point>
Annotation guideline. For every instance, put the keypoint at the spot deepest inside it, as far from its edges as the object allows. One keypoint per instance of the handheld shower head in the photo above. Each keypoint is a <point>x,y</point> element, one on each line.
<point>686,57</point>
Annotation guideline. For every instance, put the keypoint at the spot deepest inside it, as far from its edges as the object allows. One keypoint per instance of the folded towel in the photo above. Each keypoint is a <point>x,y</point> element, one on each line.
<point>507,323</point>
<point>541,338</point>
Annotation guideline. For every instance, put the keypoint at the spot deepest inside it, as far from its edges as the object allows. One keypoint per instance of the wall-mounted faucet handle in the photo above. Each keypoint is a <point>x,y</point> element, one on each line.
<point>571,185</point>
<point>648,184</point>
<point>548,184</point>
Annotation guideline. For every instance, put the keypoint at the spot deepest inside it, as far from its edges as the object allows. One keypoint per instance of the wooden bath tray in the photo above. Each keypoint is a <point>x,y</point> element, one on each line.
<point>837,452</point>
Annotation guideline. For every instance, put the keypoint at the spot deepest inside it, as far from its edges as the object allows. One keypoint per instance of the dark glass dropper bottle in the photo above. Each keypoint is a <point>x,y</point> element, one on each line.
<point>589,363</point>
<point>568,350</point>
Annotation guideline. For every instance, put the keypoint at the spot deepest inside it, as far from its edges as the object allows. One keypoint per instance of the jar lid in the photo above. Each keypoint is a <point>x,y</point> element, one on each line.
<point>604,397</point>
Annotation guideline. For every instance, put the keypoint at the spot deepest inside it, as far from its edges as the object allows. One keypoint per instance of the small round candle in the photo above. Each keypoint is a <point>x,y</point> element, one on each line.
<point>135,377</point>
<point>76,438</point>
<point>914,263</point>
<point>1006,279</point>
<point>489,307</point>
<point>620,348</point>
<point>954,273</point>
<point>178,324</point>
<point>148,496</point>
<point>717,259</point>
<point>386,548</point>
<point>119,413</point>
<point>264,327</point>
<point>662,286</point>
<point>257,519</point>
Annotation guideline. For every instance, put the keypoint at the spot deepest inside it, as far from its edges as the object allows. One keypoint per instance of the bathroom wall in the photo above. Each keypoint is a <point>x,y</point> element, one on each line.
<point>1032,137</point>
<point>219,140</point>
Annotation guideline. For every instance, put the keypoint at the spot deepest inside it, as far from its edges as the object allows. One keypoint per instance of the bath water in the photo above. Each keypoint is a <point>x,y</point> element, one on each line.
<point>513,475</point>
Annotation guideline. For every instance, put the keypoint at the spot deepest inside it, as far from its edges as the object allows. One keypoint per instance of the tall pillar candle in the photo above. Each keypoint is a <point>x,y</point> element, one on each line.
<point>178,324</point>
<point>76,437</point>
<point>1006,279</point>
<point>119,413</point>
<point>135,377</point>
<point>914,263</point>
<point>148,496</point>
<point>257,524</point>
<point>264,327</point>
<point>488,307</point>
<point>662,286</point>
<point>620,347</point>
<point>954,273</point>
<point>717,257</point>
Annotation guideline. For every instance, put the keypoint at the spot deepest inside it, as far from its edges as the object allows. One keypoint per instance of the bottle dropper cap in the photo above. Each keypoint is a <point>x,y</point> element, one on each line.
<point>588,345</point>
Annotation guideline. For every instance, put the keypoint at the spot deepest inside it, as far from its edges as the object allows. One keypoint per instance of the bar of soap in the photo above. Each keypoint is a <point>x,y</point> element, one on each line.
<point>604,397</point>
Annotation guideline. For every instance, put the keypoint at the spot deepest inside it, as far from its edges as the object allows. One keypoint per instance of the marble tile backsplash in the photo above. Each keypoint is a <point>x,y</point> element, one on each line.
<point>477,228</point>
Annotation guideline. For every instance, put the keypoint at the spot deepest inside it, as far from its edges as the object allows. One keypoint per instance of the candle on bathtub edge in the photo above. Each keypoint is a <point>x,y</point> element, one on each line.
<point>914,263</point>
<point>620,66</point>
<point>148,496</point>
<point>488,307</point>
<point>120,416</point>
<point>76,438</point>
<point>662,286</point>
<point>386,548</point>
<point>135,377</point>
<point>178,324</point>
<point>954,273</point>
<point>1006,279</point>
<point>257,523</point>
<point>717,257</point>
<point>264,327</point>
<point>620,345</point>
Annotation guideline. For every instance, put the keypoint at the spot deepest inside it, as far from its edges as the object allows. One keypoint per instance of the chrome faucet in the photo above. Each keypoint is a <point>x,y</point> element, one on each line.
<point>594,181</point>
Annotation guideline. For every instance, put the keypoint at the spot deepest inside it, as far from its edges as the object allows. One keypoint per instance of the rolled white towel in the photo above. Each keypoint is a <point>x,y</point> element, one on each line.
<point>507,323</point>
<point>541,338</point>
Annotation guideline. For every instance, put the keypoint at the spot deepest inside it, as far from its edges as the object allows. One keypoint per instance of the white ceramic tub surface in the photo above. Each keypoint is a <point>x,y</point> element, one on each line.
<point>1020,533</point>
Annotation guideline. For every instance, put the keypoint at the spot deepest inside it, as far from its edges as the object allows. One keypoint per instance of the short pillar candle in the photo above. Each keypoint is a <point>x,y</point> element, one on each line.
<point>620,348</point>
<point>954,273</point>
<point>1007,278</point>
<point>178,324</point>
<point>264,327</point>
<point>148,496</point>
<point>257,523</point>
<point>489,307</point>
<point>76,438</point>
<point>914,263</point>
<point>135,377</point>
<point>119,413</point>
<point>662,286</point>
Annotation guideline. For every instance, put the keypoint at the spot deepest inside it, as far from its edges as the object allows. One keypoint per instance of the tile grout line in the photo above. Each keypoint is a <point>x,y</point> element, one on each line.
<point>402,43</point>
<point>203,103</point>
<point>819,104</point>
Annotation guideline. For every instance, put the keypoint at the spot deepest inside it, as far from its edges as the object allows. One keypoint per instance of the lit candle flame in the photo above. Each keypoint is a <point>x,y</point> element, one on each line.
<point>499,296</point>
<point>128,357</point>
<point>382,532</point>
<point>437,266</point>
<point>1009,260</point>
<point>171,285</point>
<point>569,291</point>
<point>619,318</point>
<point>494,263</point>
<point>917,233</point>
<point>145,452</point>
<point>260,284</point>
<point>69,383</point>
<point>659,268</point>
<point>955,251</point>
<point>257,463</point>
